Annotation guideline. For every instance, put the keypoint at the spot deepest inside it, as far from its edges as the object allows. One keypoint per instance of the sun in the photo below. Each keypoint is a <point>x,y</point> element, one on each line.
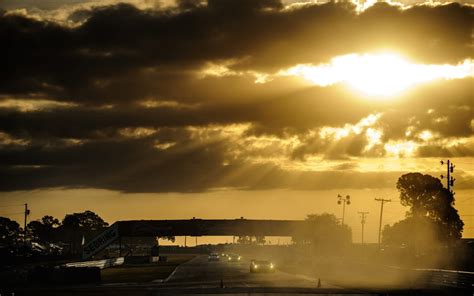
<point>378,75</point>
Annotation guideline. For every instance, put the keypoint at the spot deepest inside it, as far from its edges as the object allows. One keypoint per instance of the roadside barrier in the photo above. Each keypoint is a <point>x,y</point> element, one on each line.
<point>98,263</point>
<point>440,278</point>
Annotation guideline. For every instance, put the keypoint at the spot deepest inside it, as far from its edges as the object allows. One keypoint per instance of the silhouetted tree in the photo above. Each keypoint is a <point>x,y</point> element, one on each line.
<point>426,197</point>
<point>251,240</point>
<point>323,232</point>
<point>420,232</point>
<point>86,221</point>
<point>50,221</point>
<point>169,237</point>
<point>432,222</point>
<point>44,230</point>
<point>37,230</point>
<point>245,240</point>
<point>9,231</point>
<point>78,225</point>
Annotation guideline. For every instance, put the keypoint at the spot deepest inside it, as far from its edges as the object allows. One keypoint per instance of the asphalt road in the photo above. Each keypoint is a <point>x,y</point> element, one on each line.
<point>201,273</point>
<point>201,277</point>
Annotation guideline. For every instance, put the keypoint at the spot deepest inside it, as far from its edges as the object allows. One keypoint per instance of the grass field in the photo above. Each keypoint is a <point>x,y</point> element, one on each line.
<point>142,273</point>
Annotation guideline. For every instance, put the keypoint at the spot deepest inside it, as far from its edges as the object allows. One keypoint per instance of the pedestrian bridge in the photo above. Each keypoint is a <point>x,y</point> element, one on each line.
<point>192,227</point>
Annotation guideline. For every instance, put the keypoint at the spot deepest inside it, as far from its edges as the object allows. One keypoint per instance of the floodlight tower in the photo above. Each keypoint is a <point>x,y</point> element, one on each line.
<point>343,201</point>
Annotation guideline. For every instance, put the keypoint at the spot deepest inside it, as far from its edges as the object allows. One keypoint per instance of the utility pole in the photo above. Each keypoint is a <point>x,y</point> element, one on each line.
<point>362,221</point>
<point>449,179</point>
<point>343,201</point>
<point>27,212</point>
<point>382,201</point>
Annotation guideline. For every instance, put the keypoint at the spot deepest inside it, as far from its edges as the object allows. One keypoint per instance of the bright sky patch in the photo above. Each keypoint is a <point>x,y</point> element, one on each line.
<point>378,74</point>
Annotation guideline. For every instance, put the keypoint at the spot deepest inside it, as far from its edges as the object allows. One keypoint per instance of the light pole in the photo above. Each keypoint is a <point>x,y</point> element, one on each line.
<point>25,230</point>
<point>382,201</point>
<point>362,221</point>
<point>343,201</point>
<point>449,179</point>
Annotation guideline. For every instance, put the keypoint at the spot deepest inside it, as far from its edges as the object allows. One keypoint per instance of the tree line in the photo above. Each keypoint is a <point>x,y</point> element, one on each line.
<point>69,232</point>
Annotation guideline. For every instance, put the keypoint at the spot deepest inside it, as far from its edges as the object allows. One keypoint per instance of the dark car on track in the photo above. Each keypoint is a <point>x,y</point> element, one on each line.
<point>261,266</point>
<point>233,258</point>
<point>213,257</point>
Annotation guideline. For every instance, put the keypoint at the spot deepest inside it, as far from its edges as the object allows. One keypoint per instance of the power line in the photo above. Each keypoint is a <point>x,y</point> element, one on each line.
<point>464,162</point>
<point>10,206</point>
<point>12,214</point>
<point>465,200</point>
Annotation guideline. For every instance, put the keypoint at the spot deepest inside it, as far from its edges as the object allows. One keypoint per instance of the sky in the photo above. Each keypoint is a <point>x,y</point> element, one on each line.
<point>226,109</point>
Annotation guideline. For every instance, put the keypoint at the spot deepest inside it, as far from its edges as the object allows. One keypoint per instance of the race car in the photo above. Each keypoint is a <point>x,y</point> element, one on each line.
<point>233,258</point>
<point>213,257</point>
<point>261,266</point>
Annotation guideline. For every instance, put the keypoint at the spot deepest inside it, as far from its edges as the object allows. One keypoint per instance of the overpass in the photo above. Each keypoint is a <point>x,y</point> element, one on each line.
<point>192,227</point>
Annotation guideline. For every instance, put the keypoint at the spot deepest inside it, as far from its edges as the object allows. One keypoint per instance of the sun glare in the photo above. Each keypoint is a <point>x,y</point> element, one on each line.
<point>378,74</point>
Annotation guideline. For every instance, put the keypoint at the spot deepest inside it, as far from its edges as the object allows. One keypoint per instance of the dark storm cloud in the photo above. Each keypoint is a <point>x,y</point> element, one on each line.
<point>135,166</point>
<point>110,57</point>
<point>346,166</point>
<point>43,4</point>
<point>445,108</point>
<point>344,148</point>
<point>299,110</point>
<point>191,171</point>
<point>119,165</point>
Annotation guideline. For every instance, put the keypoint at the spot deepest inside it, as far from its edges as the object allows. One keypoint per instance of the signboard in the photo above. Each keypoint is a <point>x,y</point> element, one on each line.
<point>101,241</point>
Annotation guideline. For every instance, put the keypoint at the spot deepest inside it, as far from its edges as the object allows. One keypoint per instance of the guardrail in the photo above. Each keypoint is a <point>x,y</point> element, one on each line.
<point>396,276</point>
<point>98,263</point>
<point>434,278</point>
<point>441,278</point>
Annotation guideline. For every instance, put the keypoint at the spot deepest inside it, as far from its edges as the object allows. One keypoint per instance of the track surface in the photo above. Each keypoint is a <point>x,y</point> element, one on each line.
<point>201,277</point>
<point>201,273</point>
